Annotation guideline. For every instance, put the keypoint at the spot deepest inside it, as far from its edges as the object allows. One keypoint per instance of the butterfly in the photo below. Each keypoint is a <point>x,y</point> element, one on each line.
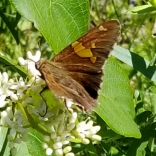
<point>76,72</point>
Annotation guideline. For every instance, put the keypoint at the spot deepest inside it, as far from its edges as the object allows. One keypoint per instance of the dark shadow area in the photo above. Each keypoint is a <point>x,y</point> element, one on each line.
<point>147,71</point>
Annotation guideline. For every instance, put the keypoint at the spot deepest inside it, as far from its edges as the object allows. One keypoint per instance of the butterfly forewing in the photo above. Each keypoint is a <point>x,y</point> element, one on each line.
<point>87,69</point>
<point>76,72</point>
<point>98,38</point>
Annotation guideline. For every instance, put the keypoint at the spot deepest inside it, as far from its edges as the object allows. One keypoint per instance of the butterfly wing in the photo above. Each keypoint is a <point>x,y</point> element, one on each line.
<point>85,57</point>
<point>63,85</point>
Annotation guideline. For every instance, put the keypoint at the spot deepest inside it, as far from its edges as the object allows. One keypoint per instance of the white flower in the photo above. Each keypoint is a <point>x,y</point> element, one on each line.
<point>20,87</point>
<point>21,61</point>
<point>4,78</point>
<point>17,124</point>
<point>29,65</point>
<point>86,131</point>
<point>4,118</point>
<point>59,122</point>
<point>14,97</point>
<point>35,57</point>
<point>3,102</point>
<point>4,89</point>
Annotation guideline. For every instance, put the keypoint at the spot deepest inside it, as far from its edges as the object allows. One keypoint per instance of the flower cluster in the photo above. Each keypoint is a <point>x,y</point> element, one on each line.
<point>21,111</point>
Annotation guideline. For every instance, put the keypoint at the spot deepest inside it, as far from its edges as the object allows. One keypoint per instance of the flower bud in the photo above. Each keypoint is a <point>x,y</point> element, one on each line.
<point>70,154</point>
<point>21,61</point>
<point>49,151</point>
<point>67,149</point>
<point>44,145</point>
<point>96,138</point>
<point>59,152</point>
<point>57,145</point>
<point>85,141</point>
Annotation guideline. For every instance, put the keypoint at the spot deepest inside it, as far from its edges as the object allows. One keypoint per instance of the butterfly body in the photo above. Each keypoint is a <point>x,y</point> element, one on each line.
<point>75,73</point>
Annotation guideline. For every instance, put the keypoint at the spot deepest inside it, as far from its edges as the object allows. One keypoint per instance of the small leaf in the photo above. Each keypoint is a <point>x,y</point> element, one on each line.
<point>10,25</point>
<point>111,150</point>
<point>138,146</point>
<point>143,9</point>
<point>4,149</point>
<point>5,61</point>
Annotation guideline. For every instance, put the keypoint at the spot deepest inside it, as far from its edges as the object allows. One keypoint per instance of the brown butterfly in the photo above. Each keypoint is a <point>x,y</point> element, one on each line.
<point>75,73</point>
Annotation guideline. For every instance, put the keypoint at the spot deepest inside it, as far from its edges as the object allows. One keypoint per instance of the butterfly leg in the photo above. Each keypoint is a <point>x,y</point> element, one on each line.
<point>46,108</point>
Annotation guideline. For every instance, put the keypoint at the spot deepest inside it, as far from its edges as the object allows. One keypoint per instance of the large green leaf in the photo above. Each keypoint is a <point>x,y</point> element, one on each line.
<point>116,101</point>
<point>60,21</point>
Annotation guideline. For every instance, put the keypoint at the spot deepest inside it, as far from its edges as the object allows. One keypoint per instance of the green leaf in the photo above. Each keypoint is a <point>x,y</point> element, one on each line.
<point>60,21</point>
<point>138,146</point>
<point>153,2</point>
<point>91,150</point>
<point>111,150</point>
<point>143,117</point>
<point>153,100</point>
<point>10,63</point>
<point>137,62</point>
<point>22,149</point>
<point>116,101</point>
<point>11,25</point>
<point>77,148</point>
<point>4,145</point>
<point>34,143</point>
<point>143,9</point>
<point>4,150</point>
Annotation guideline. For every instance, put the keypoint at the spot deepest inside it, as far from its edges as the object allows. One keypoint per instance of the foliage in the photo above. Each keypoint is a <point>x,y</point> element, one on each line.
<point>126,112</point>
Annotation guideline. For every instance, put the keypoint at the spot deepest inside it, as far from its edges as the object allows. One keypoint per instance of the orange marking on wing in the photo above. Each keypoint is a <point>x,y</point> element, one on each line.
<point>93,45</point>
<point>77,46</point>
<point>80,50</point>
<point>93,59</point>
<point>75,43</point>
<point>102,28</point>
<point>85,53</point>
